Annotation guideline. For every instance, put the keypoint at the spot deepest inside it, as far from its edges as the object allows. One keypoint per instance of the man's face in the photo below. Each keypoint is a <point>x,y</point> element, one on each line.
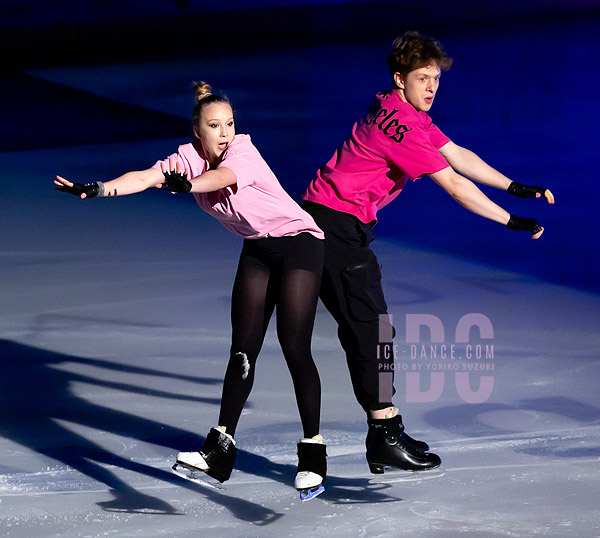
<point>419,86</point>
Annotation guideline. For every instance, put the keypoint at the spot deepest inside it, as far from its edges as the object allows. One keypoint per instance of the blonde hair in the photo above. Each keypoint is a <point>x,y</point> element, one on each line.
<point>203,96</point>
<point>201,90</point>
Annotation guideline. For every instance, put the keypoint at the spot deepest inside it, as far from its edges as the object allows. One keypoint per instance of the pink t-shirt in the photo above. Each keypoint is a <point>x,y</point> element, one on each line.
<point>391,144</point>
<point>257,205</point>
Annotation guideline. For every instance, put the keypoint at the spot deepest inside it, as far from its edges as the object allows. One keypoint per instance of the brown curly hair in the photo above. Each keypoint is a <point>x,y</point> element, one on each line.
<point>411,51</point>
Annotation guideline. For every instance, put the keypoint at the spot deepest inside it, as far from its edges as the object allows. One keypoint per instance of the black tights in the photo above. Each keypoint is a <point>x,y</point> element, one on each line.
<point>256,291</point>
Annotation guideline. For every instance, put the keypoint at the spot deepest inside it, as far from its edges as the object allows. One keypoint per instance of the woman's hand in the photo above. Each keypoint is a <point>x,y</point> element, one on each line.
<point>89,190</point>
<point>175,179</point>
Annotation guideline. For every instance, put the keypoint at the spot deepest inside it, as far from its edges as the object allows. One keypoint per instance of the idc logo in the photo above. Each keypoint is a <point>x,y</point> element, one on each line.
<point>429,360</point>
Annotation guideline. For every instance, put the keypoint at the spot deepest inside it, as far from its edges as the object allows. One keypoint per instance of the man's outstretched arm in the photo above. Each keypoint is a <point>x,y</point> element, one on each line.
<point>469,164</point>
<point>467,194</point>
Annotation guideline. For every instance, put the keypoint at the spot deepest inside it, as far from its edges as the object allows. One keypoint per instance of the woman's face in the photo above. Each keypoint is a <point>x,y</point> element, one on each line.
<point>215,130</point>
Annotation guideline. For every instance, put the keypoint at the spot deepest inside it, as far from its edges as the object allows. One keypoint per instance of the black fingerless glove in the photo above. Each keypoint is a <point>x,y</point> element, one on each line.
<point>176,182</point>
<point>524,191</point>
<point>523,224</point>
<point>90,189</point>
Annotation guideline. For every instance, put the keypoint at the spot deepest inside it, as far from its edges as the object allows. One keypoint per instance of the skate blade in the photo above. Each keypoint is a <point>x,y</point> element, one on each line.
<point>311,493</point>
<point>197,476</point>
<point>400,475</point>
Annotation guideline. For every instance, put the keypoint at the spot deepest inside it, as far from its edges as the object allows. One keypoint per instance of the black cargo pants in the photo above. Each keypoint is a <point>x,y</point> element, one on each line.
<point>351,291</point>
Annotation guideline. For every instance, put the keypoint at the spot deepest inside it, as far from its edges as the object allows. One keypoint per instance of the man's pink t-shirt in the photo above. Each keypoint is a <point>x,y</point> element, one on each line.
<point>256,206</point>
<point>390,145</point>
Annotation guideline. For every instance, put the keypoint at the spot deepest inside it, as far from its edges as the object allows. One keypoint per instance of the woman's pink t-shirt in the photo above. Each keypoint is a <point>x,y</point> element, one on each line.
<point>257,205</point>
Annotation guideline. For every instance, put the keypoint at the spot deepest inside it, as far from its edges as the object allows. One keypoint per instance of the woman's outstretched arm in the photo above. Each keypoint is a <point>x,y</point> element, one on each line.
<point>129,183</point>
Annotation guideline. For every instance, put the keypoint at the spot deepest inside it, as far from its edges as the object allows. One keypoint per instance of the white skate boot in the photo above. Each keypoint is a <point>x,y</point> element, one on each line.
<point>312,467</point>
<point>215,458</point>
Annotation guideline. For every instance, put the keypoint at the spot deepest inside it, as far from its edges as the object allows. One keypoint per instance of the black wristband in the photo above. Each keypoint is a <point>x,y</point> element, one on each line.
<point>525,191</point>
<point>524,224</point>
<point>91,190</point>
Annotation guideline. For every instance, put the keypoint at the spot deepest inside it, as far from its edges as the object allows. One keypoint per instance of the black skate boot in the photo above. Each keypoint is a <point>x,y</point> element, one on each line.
<point>388,445</point>
<point>408,440</point>
<point>215,458</point>
<point>312,467</point>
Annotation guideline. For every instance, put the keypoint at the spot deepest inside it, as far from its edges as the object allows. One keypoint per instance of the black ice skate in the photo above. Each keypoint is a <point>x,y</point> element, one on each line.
<point>388,446</point>
<point>408,440</point>
<point>312,467</point>
<point>215,458</point>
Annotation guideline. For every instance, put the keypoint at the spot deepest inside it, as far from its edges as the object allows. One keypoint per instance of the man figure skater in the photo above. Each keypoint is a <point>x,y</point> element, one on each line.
<point>394,142</point>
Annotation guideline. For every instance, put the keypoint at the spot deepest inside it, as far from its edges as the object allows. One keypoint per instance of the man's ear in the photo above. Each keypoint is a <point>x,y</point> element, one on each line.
<point>399,80</point>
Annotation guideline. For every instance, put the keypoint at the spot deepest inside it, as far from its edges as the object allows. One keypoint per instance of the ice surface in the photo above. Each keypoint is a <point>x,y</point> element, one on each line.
<point>115,333</point>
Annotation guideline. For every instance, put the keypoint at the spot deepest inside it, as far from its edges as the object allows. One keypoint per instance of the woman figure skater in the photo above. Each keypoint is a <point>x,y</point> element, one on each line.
<point>280,264</point>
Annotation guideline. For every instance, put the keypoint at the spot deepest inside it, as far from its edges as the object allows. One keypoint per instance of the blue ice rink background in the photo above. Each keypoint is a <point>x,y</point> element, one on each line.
<point>522,93</point>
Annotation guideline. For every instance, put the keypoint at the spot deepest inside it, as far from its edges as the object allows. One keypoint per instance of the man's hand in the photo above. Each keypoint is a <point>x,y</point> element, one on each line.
<point>526,225</point>
<point>529,191</point>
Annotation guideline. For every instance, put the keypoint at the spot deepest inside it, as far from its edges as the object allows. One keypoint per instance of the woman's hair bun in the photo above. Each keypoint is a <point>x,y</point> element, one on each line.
<point>201,90</point>
<point>203,96</point>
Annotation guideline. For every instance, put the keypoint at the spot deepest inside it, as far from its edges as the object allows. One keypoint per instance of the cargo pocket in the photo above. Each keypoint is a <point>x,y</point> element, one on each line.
<point>362,289</point>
